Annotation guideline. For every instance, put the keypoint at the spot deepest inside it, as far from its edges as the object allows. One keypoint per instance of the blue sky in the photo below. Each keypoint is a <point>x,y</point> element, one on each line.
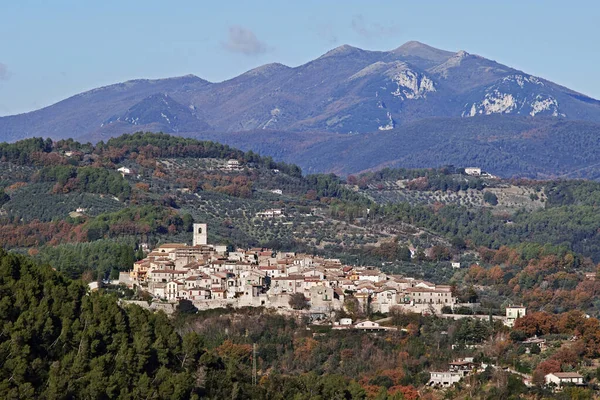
<point>50,50</point>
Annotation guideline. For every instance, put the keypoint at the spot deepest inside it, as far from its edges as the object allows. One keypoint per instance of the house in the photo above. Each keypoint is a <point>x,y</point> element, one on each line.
<point>445,378</point>
<point>561,378</point>
<point>385,298</point>
<point>320,298</point>
<point>159,290</point>
<point>174,290</point>
<point>165,275</point>
<point>371,275</point>
<point>124,171</point>
<point>201,281</point>
<point>218,294</point>
<point>440,294</point>
<point>514,312</point>
<point>534,341</point>
<point>473,171</point>
<point>233,165</point>
<point>371,326</point>
<point>455,265</point>
<point>277,191</point>
<point>288,284</point>
<point>462,365</point>
<point>271,213</point>
<point>198,294</point>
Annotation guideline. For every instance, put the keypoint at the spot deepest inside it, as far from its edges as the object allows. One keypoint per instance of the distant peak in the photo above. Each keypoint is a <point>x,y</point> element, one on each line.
<point>266,70</point>
<point>413,44</point>
<point>342,50</point>
<point>422,50</point>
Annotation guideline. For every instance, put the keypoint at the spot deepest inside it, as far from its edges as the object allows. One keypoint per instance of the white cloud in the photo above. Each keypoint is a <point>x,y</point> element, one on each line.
<point>243,40</point>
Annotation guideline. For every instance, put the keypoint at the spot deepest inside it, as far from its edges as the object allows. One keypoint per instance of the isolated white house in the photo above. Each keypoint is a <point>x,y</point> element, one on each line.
<point>562,378</point>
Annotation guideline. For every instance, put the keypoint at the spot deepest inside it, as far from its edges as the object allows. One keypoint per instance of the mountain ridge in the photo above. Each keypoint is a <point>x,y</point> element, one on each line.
<point>316,95</point>
<point>344,92</point>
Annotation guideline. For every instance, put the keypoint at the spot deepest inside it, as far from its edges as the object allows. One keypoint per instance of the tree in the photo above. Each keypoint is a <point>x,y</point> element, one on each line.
<point>299,302</point>
<point>186,307</point>
<point>490,198</point>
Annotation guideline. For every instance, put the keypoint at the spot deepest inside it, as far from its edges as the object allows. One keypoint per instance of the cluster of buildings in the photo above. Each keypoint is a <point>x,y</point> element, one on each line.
<point>211,276</point>
<point>461,368</point>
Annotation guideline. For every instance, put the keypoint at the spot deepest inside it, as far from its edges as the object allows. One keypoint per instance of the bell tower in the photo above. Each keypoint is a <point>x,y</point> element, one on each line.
<point>200,235</point>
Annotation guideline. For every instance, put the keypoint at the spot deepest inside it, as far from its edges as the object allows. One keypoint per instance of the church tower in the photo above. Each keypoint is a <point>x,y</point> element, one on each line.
<point>200,235</point>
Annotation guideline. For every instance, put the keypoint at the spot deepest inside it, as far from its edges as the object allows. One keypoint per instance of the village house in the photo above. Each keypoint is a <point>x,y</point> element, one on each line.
<point>165,275</point>
<point>444,378</point>
<point>371,326</point>
<point>233,165</point>
<point>270,213</point>
<point>431,295</point>
<point>534,341</point>
<point>514,312</point>
<point>175,290</point>
<point>560,379</point>
<point>473,171</point>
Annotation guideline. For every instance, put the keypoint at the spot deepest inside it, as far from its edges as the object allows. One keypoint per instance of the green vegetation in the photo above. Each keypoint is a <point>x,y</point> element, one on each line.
<point>103,257</point>
<point>85,179</point>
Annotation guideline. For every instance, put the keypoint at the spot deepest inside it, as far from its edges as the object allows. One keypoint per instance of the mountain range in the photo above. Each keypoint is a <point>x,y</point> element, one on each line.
<point>405,105</point>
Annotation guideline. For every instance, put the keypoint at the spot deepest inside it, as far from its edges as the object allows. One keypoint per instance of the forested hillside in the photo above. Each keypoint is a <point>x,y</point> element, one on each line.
<point>59,341</point>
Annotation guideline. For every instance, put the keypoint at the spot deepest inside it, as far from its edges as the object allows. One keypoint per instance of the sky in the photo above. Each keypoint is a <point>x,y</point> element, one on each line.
<point>50,50</point>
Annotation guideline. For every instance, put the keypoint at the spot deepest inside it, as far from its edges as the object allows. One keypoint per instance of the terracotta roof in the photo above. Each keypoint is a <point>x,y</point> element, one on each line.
<point>289,278</point>
<point>168,271</point>
<point>172,246</point>
<point>158,254</point>
<point>369,273</point>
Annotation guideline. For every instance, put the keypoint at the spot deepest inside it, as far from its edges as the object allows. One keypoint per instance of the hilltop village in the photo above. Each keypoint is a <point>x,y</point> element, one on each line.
<point>212,277</point>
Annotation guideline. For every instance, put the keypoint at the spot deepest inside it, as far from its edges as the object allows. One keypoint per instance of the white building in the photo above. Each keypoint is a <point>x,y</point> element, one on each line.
<point>124,171</point>
<point>445,378</point>
<point>514,312</point>
<point>561,378</point>
<point>233,165</point>
<point>271,213</point>
<point>473,171</point>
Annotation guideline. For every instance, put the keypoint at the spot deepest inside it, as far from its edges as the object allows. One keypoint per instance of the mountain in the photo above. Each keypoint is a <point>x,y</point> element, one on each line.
<point>346,90</point>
